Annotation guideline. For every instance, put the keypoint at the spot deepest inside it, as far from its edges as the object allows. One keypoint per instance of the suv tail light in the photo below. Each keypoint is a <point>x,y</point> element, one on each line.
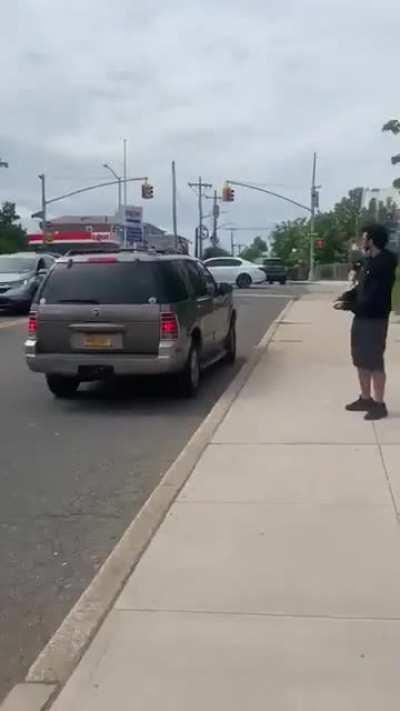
<point>169,327</point>
<point>32,324</point>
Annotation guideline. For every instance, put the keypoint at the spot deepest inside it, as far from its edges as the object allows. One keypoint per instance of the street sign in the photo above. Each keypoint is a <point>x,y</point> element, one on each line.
<point>131,219</point>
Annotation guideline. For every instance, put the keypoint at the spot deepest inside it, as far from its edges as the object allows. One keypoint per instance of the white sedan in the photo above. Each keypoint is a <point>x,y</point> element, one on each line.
<point>233,270</point>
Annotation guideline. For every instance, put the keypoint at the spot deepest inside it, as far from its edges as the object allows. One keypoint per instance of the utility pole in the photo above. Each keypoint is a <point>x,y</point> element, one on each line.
<point>215,213</point>
<point>125,190</point>
<point>232,243</point>
<point>199,232</point>
<point>42,179</point>
<point>174,212</point>
<point>314,204</point>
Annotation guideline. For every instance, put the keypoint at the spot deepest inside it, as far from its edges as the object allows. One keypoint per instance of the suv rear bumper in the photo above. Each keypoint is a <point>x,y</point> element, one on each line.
<point>170,359</point>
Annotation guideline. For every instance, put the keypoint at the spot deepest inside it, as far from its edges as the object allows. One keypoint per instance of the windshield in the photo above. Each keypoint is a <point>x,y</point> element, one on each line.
<point>119,283</point>
<point>11,265</point>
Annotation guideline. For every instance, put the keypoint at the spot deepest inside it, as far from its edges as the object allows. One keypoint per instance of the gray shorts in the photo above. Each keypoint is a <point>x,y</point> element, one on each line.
<point>368,343</point>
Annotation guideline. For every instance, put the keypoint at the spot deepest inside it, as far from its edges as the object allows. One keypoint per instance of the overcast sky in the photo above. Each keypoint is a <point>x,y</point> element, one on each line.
<point>241,90</point>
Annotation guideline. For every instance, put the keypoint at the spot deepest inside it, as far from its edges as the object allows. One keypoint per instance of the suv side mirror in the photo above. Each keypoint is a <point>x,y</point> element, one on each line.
<point>224,289</point>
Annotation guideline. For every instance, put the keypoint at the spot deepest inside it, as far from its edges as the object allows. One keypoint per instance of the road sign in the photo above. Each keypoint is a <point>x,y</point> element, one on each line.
<point>131,218</point>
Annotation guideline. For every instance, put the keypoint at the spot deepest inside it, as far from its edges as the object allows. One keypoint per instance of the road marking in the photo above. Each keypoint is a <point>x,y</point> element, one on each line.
<point>9,324</point>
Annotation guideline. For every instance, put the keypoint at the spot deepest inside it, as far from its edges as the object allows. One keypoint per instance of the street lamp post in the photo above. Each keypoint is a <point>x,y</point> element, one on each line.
<point>107,166</point>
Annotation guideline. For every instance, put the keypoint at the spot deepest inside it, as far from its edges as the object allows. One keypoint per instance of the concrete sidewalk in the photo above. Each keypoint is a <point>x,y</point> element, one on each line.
<point>274,581</point>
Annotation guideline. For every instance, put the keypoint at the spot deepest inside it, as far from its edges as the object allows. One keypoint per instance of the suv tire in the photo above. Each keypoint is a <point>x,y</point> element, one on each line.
<point>282,281</point>
<point>189,378</point>
<point>244,281</point>
<point>230,344</point>
<point>62,386</point>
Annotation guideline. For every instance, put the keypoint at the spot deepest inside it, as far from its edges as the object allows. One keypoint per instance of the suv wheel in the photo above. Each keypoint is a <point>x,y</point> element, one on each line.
<point>283,281</point>
<point>62,386</point>
<point>230,344</point>
<point>244,281</point>
<point>189,379</point>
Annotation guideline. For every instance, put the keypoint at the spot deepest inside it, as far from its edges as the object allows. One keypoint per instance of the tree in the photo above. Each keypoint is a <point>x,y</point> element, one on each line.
<point>212,252</point>
<point>291,240</point>
<point>394,127</point>
<point>12,236</point>
<point>257,248</point>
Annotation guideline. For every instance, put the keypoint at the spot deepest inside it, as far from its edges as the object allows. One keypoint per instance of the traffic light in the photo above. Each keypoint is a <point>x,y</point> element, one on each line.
<point>228,193</point>
<point>147,191</point>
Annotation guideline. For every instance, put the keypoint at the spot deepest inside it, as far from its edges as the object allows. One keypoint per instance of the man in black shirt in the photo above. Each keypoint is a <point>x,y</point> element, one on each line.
<point>371,302</point>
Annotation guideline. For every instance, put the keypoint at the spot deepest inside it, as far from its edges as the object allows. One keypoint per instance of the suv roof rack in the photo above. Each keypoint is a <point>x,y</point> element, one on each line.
<point>91,250</point>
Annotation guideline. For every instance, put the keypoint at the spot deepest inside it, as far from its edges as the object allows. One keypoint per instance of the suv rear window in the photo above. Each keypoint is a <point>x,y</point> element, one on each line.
<point>113,283</point>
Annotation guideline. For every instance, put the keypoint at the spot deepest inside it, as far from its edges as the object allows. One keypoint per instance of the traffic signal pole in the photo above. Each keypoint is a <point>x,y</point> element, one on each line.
<point>42,179</point>
<point>314,198</point>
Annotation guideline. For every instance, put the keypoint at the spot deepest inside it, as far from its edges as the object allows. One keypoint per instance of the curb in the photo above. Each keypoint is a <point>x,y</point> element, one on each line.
<point>60,656</point>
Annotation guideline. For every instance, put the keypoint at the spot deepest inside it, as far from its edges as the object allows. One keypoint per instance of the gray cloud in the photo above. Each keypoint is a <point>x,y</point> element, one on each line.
<point>245,91</point>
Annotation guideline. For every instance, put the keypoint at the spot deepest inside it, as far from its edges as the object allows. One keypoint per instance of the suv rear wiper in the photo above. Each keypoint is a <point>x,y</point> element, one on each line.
<point>77,301</point>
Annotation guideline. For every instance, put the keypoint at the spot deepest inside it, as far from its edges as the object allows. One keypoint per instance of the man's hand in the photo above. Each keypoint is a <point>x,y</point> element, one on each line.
<point>338,305</point>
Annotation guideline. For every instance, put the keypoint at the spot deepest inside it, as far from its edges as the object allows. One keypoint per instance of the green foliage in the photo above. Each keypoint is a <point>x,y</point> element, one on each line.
<point>337,228</point>
<point>257,248</point>
<point>394,127</point>
<point>12,236</point>
<point>290,241</point>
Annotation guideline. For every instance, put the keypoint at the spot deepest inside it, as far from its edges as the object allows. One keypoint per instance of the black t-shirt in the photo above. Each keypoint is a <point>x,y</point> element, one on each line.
<point>372,297</point>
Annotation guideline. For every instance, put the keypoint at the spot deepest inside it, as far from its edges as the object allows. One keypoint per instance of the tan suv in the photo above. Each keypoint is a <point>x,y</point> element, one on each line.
<point>129,313</point>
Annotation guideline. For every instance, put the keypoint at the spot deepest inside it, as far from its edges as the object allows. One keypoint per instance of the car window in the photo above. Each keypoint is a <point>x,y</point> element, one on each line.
<point>16,264</point>
<point>197,279</point>
<point>115,283</point>
<point>211,283</point>
<point>175,284</point>
<point>223,262</point>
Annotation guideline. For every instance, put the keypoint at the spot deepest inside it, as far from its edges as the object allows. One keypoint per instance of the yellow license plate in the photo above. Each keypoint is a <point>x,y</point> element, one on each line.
<point>97,341</point>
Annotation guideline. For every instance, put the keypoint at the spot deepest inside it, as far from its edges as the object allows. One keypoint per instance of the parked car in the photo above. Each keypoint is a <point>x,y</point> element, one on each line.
<point>129,313</point>
<point>274,269</point>
<point>233,270</point>
<point>20,276</point>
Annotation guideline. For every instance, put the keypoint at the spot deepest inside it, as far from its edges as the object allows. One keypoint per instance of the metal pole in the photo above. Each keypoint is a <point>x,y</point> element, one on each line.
<point>214,236</point>
<point>125,190</point>
<point>232,243</point>
<point>312,220</point>
<point>174,213</point>
<point>200,248</point>
<point>42,179</point>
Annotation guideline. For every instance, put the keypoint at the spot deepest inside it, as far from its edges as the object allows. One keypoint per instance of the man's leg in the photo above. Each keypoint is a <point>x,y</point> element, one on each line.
<point>379,382</point>
<point>365,378</point>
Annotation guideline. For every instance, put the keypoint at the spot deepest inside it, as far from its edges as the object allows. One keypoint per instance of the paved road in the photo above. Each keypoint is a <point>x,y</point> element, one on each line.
<point>73,474</point>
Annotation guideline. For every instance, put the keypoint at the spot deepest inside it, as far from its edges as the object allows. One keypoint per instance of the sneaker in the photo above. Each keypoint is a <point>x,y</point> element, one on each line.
<point>360,405</point>
<point>377,412</point>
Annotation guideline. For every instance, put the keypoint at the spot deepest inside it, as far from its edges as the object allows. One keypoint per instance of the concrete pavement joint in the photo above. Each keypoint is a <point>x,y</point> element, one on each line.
<point>239,613</point>
<point>387,476</point>
<point>58,659</point>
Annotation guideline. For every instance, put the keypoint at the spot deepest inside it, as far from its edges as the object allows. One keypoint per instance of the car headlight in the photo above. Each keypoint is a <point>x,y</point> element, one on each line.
<point>19,284</point>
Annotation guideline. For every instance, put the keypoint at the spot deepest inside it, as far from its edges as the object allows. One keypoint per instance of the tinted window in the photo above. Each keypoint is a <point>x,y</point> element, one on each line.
<point>174,282</point>
<point>17,264</point>
<point>197,281</point>
<point>99,283</point>
<point>212,286</point>
<point>223,263</point>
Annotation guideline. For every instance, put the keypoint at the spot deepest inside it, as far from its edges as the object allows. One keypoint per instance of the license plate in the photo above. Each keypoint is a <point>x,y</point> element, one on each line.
<point>97,341</point>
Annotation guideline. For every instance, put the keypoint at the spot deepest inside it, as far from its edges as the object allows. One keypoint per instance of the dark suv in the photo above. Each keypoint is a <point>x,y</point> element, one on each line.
<point>129,313</point>
<point>274,269</point>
